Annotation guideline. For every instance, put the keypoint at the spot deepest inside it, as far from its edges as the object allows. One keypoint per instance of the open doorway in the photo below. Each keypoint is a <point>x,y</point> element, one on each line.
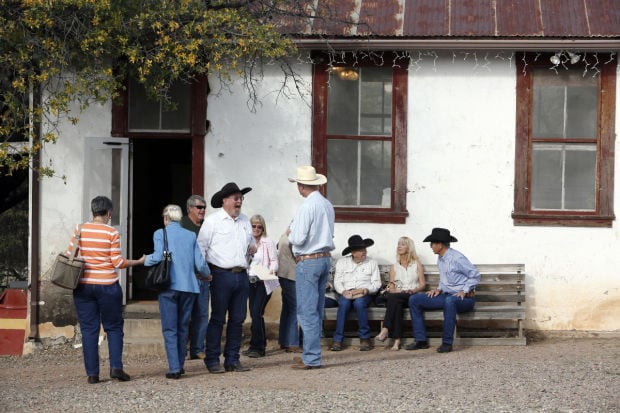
<point>162,175</point>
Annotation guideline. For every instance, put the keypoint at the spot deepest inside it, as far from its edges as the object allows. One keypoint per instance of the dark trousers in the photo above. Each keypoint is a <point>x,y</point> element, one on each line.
<point>258,301</point>
<point>393,320</point>
<point>229,295</point>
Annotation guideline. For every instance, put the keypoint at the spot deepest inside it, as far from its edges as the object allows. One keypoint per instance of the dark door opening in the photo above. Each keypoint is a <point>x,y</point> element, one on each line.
<point>162,175</point>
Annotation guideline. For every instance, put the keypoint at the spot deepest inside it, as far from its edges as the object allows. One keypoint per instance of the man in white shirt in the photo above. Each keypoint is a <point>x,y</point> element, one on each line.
<point>357,280</point>
<point>311,235</point>
<point>226,240</point>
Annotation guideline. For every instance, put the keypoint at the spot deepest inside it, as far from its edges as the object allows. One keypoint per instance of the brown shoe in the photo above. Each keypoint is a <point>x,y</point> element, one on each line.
<point>299,365</point>
<point>336,346</point>
<point>294,349</point>
<point>365,345</point>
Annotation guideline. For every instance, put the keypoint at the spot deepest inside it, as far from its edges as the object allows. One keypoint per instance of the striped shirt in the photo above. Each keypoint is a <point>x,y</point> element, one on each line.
<point>100,247</point>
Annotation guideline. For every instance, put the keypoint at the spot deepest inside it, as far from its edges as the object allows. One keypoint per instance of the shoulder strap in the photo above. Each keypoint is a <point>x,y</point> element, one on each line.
<point>76,243</point>
<point>165,240</point>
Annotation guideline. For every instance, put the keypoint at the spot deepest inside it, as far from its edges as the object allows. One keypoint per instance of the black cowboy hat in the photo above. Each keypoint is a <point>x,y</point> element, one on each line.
<point>440,235</point>
<point>227,190</point>
<point>356,243</point>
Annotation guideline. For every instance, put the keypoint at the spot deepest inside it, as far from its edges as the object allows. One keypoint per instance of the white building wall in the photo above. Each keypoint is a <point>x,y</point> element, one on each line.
<point>461,135</point>
<point>62,196</point>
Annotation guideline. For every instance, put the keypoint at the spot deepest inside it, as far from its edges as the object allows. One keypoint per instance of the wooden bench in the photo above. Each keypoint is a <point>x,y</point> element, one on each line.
<point>497,318</point>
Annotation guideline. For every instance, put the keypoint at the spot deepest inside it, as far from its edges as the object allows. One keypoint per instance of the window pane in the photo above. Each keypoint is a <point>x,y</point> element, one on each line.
<point>563,177</point>
<point>179,119</point>
<point>548,112</point>
<point>581,110</point>
<point>564,105</point>
<point>376,173</point>
<point>342,105</point>
<point>360,101</point>
<point>546,177</point>
<point>359,173</point>
<point>143,113</point>
<point>581,177</point>
<point>342,171</point>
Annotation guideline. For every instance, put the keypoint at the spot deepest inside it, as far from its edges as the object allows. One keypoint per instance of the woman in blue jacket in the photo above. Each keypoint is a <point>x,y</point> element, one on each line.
<point>175,303</point>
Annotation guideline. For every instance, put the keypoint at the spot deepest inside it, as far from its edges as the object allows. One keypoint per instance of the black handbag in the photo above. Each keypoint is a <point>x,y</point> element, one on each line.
<point>69,269</point>
<point>158,276</point>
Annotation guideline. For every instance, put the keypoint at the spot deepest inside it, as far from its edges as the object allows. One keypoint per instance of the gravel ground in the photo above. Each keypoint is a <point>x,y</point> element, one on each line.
<point>547,375</point>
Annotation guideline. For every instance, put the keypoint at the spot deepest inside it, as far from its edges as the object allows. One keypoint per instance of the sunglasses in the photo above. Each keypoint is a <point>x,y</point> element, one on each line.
<point>200,206</point>
<point>257,226</point>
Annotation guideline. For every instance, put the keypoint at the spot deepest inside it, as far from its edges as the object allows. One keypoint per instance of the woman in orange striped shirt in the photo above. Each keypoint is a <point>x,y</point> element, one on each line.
<point>98,297</point>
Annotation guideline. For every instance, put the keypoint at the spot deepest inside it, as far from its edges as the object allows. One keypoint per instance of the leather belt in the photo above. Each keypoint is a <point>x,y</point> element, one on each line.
<point>314,256</point>
<point>233,269</point>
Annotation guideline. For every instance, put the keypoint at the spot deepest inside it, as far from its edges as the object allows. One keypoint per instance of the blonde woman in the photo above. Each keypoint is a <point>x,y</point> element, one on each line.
<point>406,278</point>
<point>266,255</point>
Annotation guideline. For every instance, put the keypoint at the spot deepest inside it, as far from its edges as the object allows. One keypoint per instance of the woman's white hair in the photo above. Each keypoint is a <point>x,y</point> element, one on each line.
<point>173,212</point>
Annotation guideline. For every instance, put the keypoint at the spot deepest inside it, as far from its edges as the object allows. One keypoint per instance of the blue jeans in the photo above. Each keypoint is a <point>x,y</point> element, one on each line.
<point>175,309</point>
<point>258,299</point>
<point>199,320</point>
<point>360,305</point>
<point>96,305</point>
<point>450,304</point>
<point>311,279</point>
<point>289,333</point>
<point>229,294</point>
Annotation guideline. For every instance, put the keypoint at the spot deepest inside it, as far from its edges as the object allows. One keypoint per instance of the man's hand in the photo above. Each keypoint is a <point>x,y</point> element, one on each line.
<point>460,294</point>
<point>433,293</point>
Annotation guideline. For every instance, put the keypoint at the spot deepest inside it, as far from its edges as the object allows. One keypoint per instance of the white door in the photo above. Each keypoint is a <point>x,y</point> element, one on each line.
<point>106,172</point>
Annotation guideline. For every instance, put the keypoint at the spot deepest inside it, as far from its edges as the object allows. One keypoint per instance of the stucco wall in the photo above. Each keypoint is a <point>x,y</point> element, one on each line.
<point>461,172</point>
<point>461,135</point>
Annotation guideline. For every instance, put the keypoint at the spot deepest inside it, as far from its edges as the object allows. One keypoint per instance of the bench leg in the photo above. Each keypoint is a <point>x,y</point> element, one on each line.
<point>520,328</point>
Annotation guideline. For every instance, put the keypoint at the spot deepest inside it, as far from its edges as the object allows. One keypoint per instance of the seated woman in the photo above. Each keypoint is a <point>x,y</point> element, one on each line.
<point>356,279</point>
<point>406,278</point>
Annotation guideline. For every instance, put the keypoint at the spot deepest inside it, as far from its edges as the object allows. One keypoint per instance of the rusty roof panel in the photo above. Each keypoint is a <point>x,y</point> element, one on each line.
<point>335,17</point>
<point>603,16</point>
<point>381,17</point>
<point>567,19</point>
<point>472,18</point>
<point>518,18</point>
<point>564,18</point>
<point>425,18</point>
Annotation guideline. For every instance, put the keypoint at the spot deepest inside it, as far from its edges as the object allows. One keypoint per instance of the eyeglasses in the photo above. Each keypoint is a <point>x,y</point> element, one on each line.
<point>257,226</point>
<point>200,206</point>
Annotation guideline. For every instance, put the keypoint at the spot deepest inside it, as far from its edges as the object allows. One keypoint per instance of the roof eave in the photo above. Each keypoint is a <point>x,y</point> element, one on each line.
<point>593,45</point>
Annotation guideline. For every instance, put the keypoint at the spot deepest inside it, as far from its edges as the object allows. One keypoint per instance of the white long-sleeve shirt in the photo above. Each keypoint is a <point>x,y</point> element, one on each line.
<point>350,275</point>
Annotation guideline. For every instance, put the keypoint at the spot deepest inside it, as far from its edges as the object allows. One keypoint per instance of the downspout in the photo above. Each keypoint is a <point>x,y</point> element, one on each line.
<point>34,218</point>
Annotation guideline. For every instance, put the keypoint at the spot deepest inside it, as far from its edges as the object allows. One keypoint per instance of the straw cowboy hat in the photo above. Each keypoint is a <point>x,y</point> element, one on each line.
<point>307,175</point>
<point>440,235</point>
<point>357,243</point>
<point>227,190</point>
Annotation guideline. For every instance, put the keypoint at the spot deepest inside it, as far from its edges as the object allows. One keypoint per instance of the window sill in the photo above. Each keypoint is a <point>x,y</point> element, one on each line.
<point>372,216</point>
<point>562,220</point>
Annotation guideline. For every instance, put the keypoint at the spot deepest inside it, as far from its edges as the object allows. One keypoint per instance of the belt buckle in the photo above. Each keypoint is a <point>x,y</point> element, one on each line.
<point>237,269</point>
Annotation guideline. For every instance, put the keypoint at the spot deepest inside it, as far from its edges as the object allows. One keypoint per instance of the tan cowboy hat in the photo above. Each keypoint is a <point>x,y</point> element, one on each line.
<point>307,175</point>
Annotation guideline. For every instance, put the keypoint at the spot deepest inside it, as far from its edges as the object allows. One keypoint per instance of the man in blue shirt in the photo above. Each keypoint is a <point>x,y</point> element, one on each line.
<point>311,236</point>
<point>458,279</point>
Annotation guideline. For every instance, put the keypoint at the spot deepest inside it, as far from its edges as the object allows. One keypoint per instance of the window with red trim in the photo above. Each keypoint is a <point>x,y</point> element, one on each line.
<point>359,137</point>
<point>565,141</point>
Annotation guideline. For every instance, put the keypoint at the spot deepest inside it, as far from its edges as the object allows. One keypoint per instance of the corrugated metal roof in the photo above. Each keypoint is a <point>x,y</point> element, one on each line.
<point>463,19</point>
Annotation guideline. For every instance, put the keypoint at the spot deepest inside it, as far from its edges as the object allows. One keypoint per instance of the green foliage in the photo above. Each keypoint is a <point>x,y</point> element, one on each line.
<point>68,54</point>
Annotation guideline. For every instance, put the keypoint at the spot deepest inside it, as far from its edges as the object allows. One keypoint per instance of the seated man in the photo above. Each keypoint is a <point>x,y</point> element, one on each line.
<point>458,279</point>
<point>357,279</point>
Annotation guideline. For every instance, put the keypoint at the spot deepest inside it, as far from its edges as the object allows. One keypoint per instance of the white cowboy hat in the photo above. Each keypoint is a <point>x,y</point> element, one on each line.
<point>307,175</point>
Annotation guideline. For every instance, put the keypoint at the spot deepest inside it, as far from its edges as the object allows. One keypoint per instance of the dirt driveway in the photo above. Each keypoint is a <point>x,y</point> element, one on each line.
<point>551,375</point>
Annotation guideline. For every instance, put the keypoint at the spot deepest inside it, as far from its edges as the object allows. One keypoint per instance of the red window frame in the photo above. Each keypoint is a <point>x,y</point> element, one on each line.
<point>603,215</point>
<point>320,77</point>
